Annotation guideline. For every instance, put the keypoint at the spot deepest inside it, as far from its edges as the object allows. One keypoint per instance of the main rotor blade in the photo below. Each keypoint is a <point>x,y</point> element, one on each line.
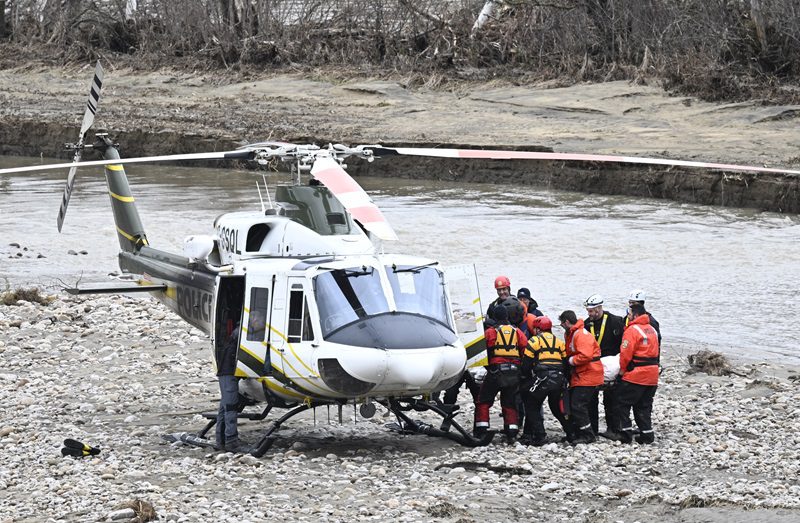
<point>62,211</point>
<point>355,200</point>
<point>222,155</point>
<point>530,155</point>
<point>88,120</point>
<point>93,101</point>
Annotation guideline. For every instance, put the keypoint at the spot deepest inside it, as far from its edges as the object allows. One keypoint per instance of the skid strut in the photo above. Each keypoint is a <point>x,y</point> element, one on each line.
<point>461,435</point>
<point>268,439</point>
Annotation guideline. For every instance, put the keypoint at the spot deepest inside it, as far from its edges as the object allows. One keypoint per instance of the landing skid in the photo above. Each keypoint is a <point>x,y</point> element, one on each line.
<point>451,429</point>
<point>406,425</point>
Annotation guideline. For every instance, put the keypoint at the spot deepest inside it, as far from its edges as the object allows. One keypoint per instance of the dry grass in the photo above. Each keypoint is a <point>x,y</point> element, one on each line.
<point>712,363</point>
<point>708,49</point>
<point>144,510</point>
<point>32,295</point>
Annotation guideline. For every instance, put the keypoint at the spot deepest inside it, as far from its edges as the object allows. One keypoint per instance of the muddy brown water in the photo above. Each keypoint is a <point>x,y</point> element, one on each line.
<point>716,278</point>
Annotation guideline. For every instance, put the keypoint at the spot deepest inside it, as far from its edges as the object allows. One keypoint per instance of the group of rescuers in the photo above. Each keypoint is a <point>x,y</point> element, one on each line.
<point>618,356</point>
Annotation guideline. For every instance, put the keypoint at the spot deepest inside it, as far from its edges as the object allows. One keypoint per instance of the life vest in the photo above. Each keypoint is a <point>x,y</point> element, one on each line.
<point>506,344</point>
<point>641,361</point>
<point>545,349</point>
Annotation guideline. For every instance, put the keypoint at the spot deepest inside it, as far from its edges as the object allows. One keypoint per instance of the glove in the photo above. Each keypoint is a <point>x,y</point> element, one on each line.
<point>76,448</point>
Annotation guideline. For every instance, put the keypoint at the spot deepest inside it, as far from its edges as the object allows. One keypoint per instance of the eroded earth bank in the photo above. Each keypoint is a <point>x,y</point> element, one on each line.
<point>177,112</point>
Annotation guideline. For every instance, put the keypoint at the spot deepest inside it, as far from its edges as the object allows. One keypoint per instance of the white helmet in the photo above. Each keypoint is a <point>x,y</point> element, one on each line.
<point>595,300</point>
<point>637,295</point>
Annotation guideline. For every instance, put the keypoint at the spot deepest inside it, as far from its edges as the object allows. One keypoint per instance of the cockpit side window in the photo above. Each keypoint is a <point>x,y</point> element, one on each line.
<point>257,318</point>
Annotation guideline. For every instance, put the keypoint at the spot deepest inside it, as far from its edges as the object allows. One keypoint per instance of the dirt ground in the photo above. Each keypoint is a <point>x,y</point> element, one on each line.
<point>167,112</point>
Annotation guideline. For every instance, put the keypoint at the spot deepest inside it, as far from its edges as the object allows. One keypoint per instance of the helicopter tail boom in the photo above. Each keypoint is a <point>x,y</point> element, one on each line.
<point>130,231</point>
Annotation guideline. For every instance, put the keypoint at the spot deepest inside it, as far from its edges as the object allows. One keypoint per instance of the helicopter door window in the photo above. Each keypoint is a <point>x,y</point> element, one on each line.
<point>299,319</point>
<point>257,318</point>
<point>308,331</point>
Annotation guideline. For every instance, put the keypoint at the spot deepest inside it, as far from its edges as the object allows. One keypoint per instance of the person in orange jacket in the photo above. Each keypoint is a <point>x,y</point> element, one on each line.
<point>638,365</point>
<point>586,375</point>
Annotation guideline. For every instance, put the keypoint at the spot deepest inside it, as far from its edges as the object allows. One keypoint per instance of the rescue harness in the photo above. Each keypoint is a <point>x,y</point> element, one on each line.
<point>506,344</point>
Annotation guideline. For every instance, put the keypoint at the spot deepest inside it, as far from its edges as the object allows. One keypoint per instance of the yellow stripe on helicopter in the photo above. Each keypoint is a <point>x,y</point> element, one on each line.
<point>284,388</point>
<point>277,388</point>
<point>126,235</point>
<point>287,363</point>
<point>291,348</point>
<point>126,199</point>
<point>115,167</point>
<point>260,360</point>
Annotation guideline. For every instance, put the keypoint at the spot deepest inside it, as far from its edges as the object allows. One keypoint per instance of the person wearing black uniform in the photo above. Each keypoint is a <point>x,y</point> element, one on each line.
<point>607,329</point>
<point>524,295</point>
<point>227,432</point>
<point>543,375</point>
<point>503,287</point>
<point>638,296</point>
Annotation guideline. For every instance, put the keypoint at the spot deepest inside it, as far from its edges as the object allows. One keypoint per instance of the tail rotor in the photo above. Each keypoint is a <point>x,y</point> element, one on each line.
<point>88,120</point>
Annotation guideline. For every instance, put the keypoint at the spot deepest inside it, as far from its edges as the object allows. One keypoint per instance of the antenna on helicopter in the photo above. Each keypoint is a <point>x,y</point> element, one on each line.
<point>260,199</point>
<point>266,189</point>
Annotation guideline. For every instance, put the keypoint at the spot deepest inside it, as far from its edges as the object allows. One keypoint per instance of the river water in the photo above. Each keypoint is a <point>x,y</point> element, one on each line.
<point>718,279</point>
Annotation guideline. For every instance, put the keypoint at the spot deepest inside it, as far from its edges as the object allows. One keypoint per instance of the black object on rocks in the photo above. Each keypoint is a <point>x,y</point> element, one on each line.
<point>79,450</point>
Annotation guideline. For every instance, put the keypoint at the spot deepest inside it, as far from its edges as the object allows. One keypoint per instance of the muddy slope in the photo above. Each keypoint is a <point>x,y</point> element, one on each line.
<point>164,112</point>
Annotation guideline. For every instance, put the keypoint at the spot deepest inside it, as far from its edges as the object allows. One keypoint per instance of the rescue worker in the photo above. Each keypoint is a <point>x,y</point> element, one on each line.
<point>503,287</point>
<point>543,377</point>
<point>638,363</point>
<point>504,346</point>
<point>524,295</point>
<point>227,433</point>
<point>638,296</point>
<point>449,400</point>
<point>518,317</point>
<point>586,374</point>
<point>607,329</point>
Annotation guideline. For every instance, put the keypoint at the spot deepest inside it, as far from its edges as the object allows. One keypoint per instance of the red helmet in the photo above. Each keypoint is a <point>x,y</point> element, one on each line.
<point>543,323</point>
<point>502,281</point>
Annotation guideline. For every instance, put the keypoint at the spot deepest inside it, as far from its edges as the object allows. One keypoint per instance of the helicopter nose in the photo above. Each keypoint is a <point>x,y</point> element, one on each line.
<point>414,370</point>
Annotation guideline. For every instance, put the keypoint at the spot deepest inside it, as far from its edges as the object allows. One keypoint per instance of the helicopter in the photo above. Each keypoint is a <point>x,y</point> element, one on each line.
<point>326,316</point>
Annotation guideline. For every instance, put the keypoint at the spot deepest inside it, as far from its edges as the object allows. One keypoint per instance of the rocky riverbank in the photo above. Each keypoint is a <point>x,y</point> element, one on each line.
<point>117,372</point>
<point>168,112</point>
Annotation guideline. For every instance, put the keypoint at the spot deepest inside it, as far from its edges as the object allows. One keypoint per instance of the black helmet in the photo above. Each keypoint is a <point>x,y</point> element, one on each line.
<point>500,314</point>
<point>515,309</point>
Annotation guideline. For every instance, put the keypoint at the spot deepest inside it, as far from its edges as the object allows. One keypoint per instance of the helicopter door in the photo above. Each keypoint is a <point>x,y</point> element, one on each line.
<point>228,309</point>
<point>462,286</point>
<point>299,332</point>
<point>253,355</point>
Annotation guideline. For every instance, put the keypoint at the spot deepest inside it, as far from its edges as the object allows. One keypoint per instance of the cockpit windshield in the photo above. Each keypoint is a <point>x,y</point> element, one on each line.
<point>345,296</point>
<point>419,290</point>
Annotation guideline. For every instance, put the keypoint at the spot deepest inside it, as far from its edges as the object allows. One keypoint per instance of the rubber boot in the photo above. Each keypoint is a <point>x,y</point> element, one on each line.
<point>511,435</point>
<point>646,439</point>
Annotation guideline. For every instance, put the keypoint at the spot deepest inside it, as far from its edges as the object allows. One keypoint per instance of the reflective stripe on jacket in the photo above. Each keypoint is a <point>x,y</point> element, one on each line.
<point>639,357</point>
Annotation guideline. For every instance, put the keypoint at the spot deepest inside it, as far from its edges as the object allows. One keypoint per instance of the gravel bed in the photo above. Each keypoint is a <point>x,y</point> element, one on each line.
<point>117,372</point>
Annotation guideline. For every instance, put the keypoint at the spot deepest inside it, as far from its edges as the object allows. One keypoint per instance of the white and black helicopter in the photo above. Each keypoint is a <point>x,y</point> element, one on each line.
<point>327,318</point>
